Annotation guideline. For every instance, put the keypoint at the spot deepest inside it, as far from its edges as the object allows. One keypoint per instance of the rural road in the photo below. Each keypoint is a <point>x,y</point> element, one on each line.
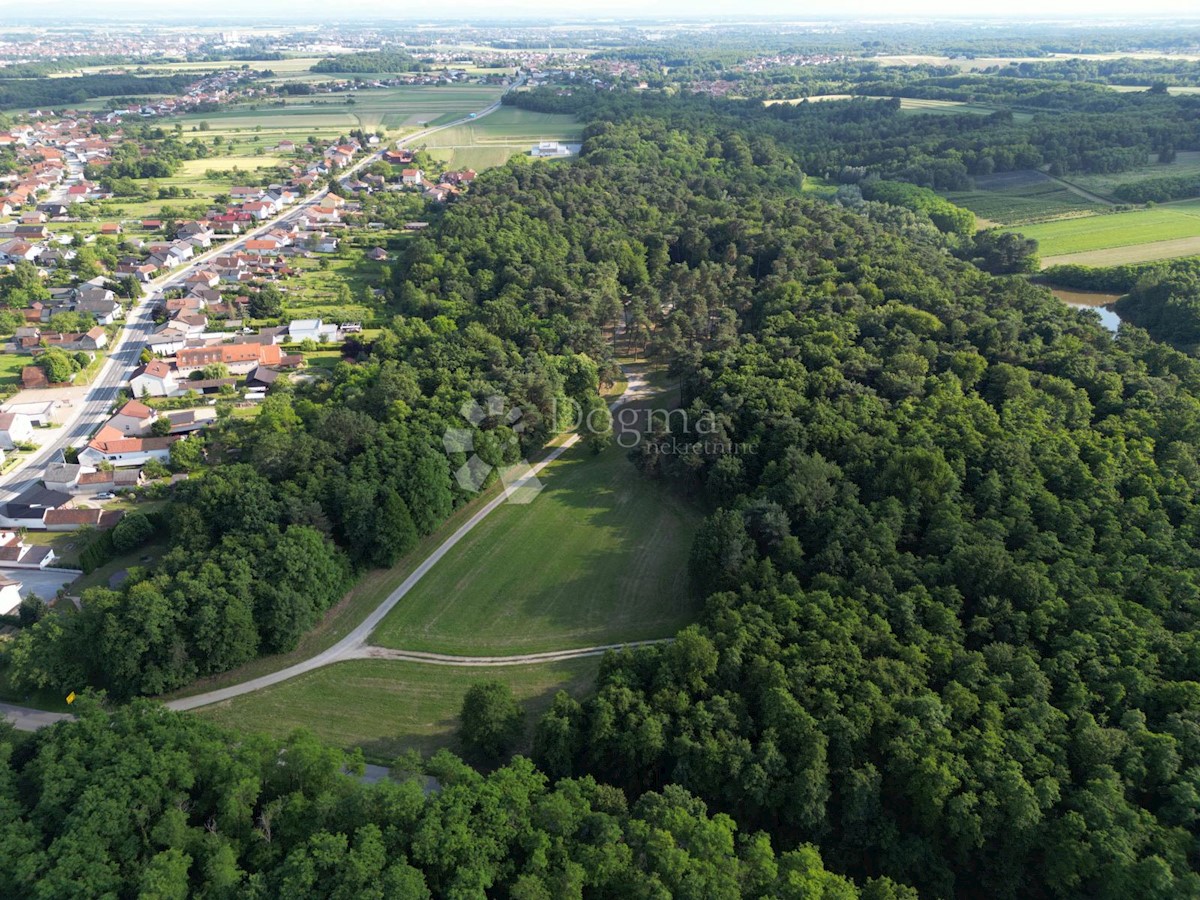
<point>354,645</point>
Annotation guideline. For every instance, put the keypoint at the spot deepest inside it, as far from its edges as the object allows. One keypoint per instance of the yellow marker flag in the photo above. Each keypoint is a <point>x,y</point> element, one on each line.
<point>71,697</point>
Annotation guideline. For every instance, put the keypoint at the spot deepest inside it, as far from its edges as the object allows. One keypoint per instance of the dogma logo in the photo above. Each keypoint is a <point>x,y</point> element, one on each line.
<point>521,485</point>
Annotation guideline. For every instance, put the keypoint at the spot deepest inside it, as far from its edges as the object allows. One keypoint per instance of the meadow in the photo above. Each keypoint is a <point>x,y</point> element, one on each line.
<point>496,137</point>
<point>599,556</point>
<point>1136,229</point>
<point>387,707</point>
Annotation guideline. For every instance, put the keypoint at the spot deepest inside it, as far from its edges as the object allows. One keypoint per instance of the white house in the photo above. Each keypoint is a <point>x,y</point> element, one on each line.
<point>38,412</point>
<point>156,379</point>
<point>312,329</point>
<point>550,148</point>
<point>14,429</point>
<point>134,418</point>
<point>123,452</point>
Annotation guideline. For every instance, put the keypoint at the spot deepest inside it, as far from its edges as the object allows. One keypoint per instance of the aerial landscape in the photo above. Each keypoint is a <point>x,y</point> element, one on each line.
<point>600,452</point>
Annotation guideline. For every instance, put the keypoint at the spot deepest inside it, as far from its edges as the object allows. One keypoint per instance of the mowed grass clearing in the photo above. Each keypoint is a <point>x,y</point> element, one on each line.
<point>493,139</point>
<point>389,706</point>
<point>598,557</point>
<point>1174,222</point>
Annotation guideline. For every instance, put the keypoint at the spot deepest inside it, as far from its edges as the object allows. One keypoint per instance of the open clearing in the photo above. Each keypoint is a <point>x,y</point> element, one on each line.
<point>600,556</point>
<point>386,706</point>
<point>1134,229</point>
<point>494,139</point>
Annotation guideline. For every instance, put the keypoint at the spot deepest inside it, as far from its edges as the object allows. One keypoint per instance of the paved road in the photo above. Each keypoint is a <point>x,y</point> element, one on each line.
<point>443,659</point>
<point>125,353</point>
<point>26,719</point>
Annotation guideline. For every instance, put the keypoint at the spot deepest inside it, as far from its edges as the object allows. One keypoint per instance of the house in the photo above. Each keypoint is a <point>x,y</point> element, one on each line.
<point>110,228</point>
<point>134,418</point>
<point>16,554</point>
<point>411,176</point>
<point>312,329</point>
<point>262,378</point>
<point>155,379</point>
<point>261,209</point>
<point>94,339</point>
<point>239,359</point>
<point>186,421</point>
<point>17,250</point>
<point>29,509</point>
<point>38,413</point>
<point>204,278</point>
<point>124,452</point>
<point>74,519</point>
<point>377,254</point>
<point>14,429</point>
<point>550,149</point>
<point>63,477</point>
<point>107,481</point>
<point>10,596</point>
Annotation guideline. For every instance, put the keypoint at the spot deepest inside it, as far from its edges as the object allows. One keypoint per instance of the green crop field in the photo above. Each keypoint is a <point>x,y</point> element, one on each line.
<point>1019,198</point>
<point>1174,222</point>
<point>495,138</point>
<point>387,706</point>
<point>600,556</point>
<point>393,109</point>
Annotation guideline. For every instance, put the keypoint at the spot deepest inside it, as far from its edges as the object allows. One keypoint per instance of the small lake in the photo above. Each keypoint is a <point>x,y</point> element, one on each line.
<point>1094,300</point>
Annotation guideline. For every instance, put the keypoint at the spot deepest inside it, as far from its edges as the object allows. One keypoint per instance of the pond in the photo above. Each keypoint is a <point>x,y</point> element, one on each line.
<point>1095,300</point>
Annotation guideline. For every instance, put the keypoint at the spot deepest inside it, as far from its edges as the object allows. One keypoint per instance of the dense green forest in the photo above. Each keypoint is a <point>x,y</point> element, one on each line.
<point>950,560</point>
<point>146,803</point>
<point>33,93</point>
<point>368,63</point>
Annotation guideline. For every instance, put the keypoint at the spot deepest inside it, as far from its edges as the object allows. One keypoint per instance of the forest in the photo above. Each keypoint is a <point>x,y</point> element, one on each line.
<point>949,645</point>
<point>31,93</point>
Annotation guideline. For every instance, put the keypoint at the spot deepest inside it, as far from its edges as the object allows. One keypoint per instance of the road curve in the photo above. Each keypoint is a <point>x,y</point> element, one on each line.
<point>354,644</point>
<point>445,659</point>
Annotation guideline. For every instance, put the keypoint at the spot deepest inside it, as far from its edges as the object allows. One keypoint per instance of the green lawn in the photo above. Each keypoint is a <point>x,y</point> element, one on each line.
<point>11,365</point>
<point>1126,229</point>
<point>600,556</point>
<point>495,138</point>
<point>388,706</point>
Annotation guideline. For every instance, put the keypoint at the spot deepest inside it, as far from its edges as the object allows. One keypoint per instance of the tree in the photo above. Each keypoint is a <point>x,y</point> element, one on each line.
<point>186,455</point>
<point>131,532</point>
<point>57,365</point>
<point>491,721</point>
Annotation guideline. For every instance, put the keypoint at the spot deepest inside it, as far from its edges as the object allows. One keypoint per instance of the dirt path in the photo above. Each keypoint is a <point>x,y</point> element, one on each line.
<point>1081,192</point>
<point>355,644</point>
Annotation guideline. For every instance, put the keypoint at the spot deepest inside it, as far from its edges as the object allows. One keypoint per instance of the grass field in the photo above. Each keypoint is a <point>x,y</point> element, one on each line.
<point>11,365</point>
<point>1019,198</point>
<point>1174,222</point>
<point>600,556</point>
<point>393,109</point>
<point>495,138</point>
<point>387,706</point>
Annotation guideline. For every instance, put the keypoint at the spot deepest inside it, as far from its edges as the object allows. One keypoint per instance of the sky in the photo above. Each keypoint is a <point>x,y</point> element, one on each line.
<point>1081,11</point>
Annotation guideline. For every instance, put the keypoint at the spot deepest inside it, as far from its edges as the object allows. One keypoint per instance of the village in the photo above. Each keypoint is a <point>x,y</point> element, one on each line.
<point>129,334</point>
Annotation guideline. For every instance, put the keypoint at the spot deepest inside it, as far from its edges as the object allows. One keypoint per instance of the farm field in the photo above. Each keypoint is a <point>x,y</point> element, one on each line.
<point>600,556</point>
<point>391,109</point>
<point>495,138</point>
<point>1018,198</point>
<point>1134,229</point>
<point>389,706</point>
<point>1187,162</point>
<point>1119,256</point>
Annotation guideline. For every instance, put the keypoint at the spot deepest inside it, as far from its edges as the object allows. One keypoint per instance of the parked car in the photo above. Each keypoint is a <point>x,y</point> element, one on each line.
<point>105,495</point>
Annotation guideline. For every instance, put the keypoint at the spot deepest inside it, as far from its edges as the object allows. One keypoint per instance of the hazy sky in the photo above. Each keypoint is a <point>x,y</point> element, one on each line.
<point>1082,11</point>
